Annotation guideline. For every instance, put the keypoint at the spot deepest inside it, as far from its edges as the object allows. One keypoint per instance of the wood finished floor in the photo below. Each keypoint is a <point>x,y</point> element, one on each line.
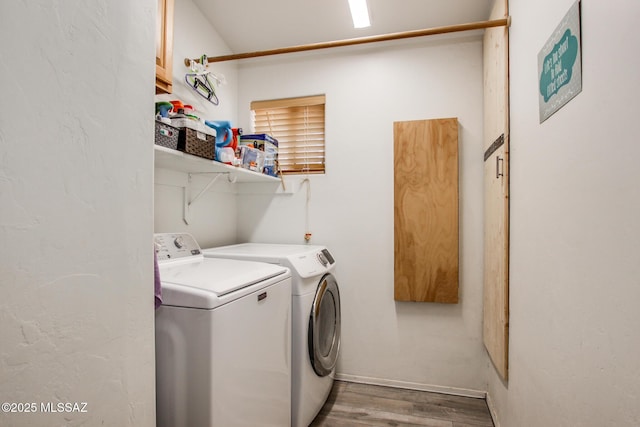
<point>353,404</point>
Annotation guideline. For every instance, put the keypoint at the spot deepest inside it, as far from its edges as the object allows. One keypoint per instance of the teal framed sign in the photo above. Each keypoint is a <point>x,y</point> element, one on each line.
<point>560,65</point>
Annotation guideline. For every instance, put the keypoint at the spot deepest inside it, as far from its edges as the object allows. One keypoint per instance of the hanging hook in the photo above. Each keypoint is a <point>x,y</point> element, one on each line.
<point>201,84</point>
<point>198,80</point>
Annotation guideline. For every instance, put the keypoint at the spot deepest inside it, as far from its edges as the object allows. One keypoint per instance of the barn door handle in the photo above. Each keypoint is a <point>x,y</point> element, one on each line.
<point>498,173</point>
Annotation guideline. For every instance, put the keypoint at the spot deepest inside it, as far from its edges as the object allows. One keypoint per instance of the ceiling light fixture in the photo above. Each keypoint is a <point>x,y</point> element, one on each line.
<point>359,13</point>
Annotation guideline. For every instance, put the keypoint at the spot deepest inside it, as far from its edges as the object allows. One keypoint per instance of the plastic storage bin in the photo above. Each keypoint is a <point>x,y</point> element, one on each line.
<point>269,145</point>
<point>252,158</point>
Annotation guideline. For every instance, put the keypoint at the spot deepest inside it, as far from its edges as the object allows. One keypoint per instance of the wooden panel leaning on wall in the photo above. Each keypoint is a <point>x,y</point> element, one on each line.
<point>426,210</point>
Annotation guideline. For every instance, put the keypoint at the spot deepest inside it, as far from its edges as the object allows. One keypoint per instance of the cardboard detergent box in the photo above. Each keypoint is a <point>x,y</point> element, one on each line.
<point>266,143</point>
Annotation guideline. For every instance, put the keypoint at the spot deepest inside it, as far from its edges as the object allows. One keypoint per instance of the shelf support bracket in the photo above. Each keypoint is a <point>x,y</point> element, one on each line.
<point>187,203</point>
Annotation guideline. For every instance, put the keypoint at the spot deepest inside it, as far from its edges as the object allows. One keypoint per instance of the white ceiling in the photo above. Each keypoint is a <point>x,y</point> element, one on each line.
<point>252,25</point>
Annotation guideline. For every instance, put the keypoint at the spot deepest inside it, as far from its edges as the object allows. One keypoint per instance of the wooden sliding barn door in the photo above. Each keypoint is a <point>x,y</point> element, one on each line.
<point>426,210</point>
<point>496,192</point>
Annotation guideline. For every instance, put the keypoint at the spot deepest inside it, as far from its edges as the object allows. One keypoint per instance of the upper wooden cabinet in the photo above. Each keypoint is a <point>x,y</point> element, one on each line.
<point>164,46</point>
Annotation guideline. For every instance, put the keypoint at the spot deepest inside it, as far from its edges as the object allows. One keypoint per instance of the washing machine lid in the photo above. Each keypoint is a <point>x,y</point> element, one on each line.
<point>306,260</point>
<point>209,282</point>
<point>262,250</point>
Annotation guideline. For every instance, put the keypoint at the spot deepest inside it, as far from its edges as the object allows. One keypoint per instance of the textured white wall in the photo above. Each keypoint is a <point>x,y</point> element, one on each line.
<point>76,261</point>
<point>575,235</point>
<point>213,217</point>
<point>351,206</point>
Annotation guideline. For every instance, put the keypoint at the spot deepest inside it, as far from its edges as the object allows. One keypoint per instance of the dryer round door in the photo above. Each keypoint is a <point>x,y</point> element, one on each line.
<point>324,326</point>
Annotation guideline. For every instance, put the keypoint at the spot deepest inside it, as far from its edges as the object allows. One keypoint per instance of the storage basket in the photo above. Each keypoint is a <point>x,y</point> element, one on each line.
<point>197,143</point>
<point>166,135</point>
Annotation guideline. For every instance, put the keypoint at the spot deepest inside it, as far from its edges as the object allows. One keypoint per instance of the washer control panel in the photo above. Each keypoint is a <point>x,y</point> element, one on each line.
<point>175,245</point>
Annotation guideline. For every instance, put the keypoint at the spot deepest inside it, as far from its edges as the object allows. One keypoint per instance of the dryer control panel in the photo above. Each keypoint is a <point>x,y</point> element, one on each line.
<point>325,258</point>
<point>312,263</point>
<point>175,245</point>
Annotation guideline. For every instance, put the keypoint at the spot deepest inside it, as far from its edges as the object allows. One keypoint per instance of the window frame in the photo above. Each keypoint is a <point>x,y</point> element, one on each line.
<point>300,117</point>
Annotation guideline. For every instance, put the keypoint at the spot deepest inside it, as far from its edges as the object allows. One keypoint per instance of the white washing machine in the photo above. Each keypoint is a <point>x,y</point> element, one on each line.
<point>316,318</point>
<point>223,339</point>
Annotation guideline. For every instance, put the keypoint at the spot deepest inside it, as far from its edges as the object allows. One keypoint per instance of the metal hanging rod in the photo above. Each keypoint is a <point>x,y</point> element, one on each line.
<point>503,22</point>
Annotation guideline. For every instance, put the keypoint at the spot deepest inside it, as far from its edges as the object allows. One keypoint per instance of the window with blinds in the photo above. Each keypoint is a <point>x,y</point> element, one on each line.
<point>298,125</point>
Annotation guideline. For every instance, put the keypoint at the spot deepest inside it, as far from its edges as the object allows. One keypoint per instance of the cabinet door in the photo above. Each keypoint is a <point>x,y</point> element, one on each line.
<point>164,46</point>
<point>495,329</point>
<point>496,192</point>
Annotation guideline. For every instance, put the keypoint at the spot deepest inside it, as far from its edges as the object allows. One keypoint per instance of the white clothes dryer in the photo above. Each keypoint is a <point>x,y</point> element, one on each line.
<point>316,318</point>
<point>223,339</point>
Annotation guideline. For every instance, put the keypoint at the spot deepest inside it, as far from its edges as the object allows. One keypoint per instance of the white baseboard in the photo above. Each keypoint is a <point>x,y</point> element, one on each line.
<point>413,386</point>
<point>492,410</point>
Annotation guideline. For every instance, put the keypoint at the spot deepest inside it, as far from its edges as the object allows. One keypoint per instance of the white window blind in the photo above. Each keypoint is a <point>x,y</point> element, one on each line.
<point>298,125</point>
